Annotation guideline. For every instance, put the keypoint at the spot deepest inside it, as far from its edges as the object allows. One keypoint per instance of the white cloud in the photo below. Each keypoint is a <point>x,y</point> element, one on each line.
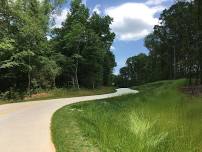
<point>112,48</point>
<point>48,37</point>
<point>97,9</point>
<point>59,18</point>
<point>155,2</point>
<point>84,2</point>
<point>133,21</point>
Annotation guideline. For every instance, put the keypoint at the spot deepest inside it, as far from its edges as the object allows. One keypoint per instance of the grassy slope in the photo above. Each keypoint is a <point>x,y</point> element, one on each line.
<point>65,93</point>
<point>158,119</point>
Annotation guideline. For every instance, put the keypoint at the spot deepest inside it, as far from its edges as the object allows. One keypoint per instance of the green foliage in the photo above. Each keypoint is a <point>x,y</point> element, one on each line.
<point>108,64</point>
<point>137,71</point>
<point>173,45</point>
<point>6,45</point>
<point>24,50</point>
<point>85,41</point>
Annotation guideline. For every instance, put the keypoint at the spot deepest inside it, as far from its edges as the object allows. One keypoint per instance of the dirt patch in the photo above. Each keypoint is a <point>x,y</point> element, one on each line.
<point>38,95</point>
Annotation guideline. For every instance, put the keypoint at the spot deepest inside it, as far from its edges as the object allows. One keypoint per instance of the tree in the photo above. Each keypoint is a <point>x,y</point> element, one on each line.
<point>85,41</point>
<point>136,71</point>
<point>101,26</point>
<point>108,65</point>
<point>198,13</point>
<point>172,44</point>
<point>23,29</point>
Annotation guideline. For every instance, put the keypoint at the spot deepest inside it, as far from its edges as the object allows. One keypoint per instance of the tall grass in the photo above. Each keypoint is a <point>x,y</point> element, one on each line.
<point>158,119</point>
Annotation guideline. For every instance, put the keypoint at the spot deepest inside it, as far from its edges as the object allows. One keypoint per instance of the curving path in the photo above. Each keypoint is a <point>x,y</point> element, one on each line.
<point>25,127</point>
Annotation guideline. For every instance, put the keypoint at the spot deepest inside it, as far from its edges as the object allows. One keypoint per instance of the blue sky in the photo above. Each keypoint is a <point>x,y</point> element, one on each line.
<point>133,20</point>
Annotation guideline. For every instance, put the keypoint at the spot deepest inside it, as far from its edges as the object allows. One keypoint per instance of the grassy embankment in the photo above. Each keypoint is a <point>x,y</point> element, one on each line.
<point>158,119</point>
<point>64,93</point>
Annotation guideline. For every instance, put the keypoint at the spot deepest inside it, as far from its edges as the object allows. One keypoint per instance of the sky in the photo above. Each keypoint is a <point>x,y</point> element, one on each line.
<point>132,21</point>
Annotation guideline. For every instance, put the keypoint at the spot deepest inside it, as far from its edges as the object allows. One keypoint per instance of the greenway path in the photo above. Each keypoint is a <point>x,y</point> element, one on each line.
<point>25,127</point>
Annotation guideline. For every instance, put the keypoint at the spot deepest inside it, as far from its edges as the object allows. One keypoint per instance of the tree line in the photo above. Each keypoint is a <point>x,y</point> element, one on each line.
<point>175,48</point>
<point>78,54</point>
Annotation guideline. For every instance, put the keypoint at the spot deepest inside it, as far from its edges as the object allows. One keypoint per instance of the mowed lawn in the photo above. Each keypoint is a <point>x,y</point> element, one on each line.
<point>158,119</point>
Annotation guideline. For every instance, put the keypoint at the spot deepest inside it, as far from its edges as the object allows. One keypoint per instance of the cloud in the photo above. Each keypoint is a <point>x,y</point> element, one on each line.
<point>155,2</point>
<point>84,2</point>
<point>112,48</point>
<point>97,9</point>
<point>59,18</point>
<point>133,21</point>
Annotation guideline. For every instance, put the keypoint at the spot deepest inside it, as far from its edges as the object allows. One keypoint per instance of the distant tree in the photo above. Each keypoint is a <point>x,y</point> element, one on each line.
<point>135,72</point>
<point>101,26</point>
<point>108,65</point>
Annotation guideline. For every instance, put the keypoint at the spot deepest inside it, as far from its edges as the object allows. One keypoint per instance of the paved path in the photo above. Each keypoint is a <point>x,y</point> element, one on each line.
<point>25,127</point>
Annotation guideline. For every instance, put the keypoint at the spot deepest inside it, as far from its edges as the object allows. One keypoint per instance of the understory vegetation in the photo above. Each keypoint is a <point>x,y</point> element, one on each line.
<point>61,93</point>
<point>66,93</point>
<point>160,118</point>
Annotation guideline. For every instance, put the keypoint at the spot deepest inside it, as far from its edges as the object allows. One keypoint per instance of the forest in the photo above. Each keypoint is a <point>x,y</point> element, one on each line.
<point>175,48</point>
<point>34,56</point>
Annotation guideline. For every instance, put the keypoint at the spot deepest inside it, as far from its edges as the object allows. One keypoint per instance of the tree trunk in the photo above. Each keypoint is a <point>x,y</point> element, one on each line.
<point>29,84</point>
<point>76,76</point>
<point>190,74</point>
<point>199,40</point>
<point>73,82</point>
<point>200,72</point>
<point>29,79</point>
<point>174,63</point>
<point>54,84</point>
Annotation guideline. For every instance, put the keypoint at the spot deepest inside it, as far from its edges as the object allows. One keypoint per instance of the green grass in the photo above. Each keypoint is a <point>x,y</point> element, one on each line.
<point>66,93</point>
<point>63,93</point>
<point>158,119</point>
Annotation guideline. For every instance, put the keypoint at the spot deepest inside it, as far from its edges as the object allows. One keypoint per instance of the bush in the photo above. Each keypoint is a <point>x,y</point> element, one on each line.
<point>12,94</point>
